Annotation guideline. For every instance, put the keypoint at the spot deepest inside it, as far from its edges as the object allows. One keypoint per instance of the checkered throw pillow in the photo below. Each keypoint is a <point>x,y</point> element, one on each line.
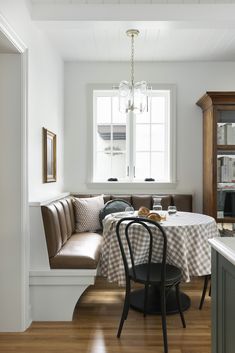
<point>87,213</point>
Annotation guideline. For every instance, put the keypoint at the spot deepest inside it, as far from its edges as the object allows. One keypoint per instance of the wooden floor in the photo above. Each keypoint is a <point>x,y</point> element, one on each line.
<point>95,323</point>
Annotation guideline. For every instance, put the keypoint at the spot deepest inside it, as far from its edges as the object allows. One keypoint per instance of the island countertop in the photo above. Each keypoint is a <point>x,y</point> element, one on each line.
<point>225,246</point>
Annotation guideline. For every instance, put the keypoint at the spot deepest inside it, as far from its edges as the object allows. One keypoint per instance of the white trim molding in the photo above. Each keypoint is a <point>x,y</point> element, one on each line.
<point>22,49</point>
<point>117,185</point>
<point>44,202</point>
<point>11,35</point>
<point>168,91</point>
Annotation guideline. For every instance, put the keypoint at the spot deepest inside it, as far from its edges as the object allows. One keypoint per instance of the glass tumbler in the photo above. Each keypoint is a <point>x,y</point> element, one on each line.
<point>157,205</point>
<point>130,210</point>
<point>172,210</point>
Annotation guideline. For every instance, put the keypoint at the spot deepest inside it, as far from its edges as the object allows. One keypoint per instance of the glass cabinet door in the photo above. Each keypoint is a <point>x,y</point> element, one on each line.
<point>226,162</point>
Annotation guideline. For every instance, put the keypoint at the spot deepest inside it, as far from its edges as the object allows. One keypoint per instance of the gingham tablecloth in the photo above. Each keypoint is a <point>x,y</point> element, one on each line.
<point>187,245</point>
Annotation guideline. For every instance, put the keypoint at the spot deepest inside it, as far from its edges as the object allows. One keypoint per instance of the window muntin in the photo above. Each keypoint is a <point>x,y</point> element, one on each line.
<point>132,148</point>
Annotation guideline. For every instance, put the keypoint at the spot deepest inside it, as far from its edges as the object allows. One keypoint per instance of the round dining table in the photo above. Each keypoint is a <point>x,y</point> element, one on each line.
<point>187,248</point>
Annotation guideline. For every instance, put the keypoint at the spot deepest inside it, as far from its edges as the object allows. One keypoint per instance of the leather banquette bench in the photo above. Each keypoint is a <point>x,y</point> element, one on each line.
<point>70,250</point>
<point>63,263</point>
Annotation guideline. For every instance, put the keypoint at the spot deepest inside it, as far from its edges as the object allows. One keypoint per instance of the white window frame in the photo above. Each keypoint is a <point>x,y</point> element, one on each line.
<point>171,137</point>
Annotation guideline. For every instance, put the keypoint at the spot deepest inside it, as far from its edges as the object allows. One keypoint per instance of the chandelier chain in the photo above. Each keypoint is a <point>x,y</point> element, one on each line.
<point>132,59</point>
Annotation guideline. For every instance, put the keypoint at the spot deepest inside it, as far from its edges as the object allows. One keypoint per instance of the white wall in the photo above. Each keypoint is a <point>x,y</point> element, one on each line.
<point>45,108</point>
<point>10,190</point>
<point>192,81</point>
<point>45,96</point>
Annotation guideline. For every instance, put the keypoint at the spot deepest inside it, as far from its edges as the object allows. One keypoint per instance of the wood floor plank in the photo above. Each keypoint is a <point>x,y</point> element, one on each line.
<point>95,323</point>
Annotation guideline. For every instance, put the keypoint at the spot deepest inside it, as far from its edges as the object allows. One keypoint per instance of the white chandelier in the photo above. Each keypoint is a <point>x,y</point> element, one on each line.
<point>133,97</point>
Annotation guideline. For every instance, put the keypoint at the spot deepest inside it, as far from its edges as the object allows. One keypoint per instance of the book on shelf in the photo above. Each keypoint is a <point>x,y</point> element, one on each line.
<point>230,134</point>
<point>226,134</point>
<point>220,203</point>
<point>225,169</point>
<point>226,187</point>
<point>221,134</point>
<point>218,170</point>
<point>220,214</point>
<point>225,203</point>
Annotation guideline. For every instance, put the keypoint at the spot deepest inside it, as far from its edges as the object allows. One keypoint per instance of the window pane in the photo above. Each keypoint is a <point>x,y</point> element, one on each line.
<point>142,137</point>
<point>103,109</point>
<point>103,166</point>
<point>150,135</point>
<point>119,138</point>
<point>142,166</point>
<point>143,118</point>
<point>157,137</point>
<point>103,140</point>
<point>118,118</point>
<point>158,109</point>
<point>158,166</point>
<point>119,165</point>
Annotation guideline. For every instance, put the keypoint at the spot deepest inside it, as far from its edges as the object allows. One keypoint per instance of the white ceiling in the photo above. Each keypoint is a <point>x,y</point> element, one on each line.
<point>108,42</point>
<point>88,32</point>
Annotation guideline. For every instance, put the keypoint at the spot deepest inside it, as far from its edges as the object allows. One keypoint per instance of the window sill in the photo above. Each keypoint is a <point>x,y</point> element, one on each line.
<point>144,185</point>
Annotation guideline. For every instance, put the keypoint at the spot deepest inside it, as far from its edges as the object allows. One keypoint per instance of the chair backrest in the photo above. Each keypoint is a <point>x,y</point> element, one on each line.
<point>113,206</point>
<point>123,230</point>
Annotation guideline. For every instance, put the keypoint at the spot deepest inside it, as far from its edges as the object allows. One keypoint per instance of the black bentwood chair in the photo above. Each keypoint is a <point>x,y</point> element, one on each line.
<point>158,274</point>
<point>206,280</point>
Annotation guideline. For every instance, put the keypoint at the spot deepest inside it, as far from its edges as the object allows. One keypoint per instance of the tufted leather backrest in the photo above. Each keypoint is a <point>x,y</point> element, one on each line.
<point>59,224</point>
<point>183,202</point>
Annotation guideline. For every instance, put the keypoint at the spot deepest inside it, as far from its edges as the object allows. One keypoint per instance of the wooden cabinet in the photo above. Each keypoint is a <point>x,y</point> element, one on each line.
<point>219,155</point>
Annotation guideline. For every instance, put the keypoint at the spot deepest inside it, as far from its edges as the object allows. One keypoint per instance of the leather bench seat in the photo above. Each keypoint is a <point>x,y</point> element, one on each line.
<point>66,248</point>
<point>70,250</point>
<point>82,250</point>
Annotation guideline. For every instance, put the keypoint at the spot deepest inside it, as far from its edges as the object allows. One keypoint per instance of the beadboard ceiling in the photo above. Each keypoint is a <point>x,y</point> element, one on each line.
<point>186,35</point>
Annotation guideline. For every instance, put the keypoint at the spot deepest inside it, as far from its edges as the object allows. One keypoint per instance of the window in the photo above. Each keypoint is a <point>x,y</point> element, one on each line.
<point>133,148</point>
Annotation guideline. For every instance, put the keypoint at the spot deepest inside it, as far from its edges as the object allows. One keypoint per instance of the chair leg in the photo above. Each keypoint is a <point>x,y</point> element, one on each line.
<point>163,311</point>
<point>146,289</point>
<point>125,309</point>
<point>210,291</point>
<point>177,292</point>
<point>204,291</point>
